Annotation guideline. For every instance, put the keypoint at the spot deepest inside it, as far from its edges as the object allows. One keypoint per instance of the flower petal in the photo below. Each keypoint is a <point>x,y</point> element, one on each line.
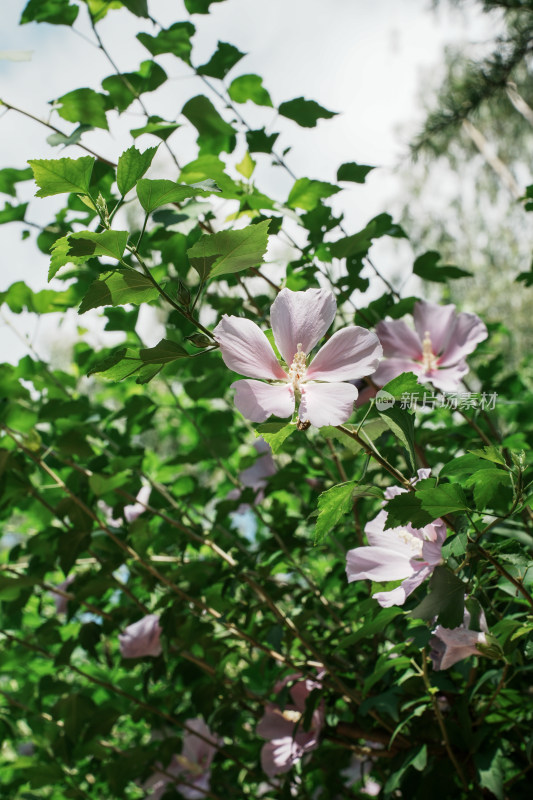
<point>327,403</point>
<point>467,332</point>
<point>392,367</point>
<point>377,564</point>
<point>301,318</point>
<point>257,401</point>
<point>350,353</point>
<point>246,350</point>
<point>141,638</point>
<point>398,596</point>
<point>437,320</point>
<point>280,755</point>
<point>399,340</point>
<point>273,725</point>
<point>448,379</point>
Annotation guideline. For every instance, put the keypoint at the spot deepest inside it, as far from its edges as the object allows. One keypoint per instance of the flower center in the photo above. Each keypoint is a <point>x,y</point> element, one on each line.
<point>413,542</point>
<point>291,715</point>
<point>297,369</point>
<point>191,767</point>
<point>429,360</point>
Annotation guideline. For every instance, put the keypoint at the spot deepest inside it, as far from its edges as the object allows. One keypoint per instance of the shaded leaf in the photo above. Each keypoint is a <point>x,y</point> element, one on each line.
<point>445,599</point>
<point>235,251</point>
<point>55,176</point>
<point>356,173</point>
<point>402,424</point>
<point>305,112</point>
<point>441,500</point>
<point>175,40</point>
<point>406,508</point>
<point>10,176</point>
<point>426,267</point>
<point>60,256</point>
<point>221,62</point>
<point>199,6</point>
<point>55,12</point>
<point>153,194</point>
<point>122,286</point>
<point>12,213</point>
<point>56,139</point>
<point>107,243</point>
<point>163,352</point>
<point>215,135</point>
<point>157,127</point>
<point>125,88</point>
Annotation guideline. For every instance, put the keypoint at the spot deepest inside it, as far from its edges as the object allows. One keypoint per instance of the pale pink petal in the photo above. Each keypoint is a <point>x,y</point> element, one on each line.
<point>255,475</point>
<point>448,379</point>
<point>257,401</point>
<point>377,564</point>
<point>301,318</point>
<point>132,512</point>
<point>246,350</point>
<point>398,596</point>
<point>452,645</point>
<point>141,638</point>
<point>399,539</point>
<point>279,756</point>
<point>467,332</point>
<point>350,353</point>
<point>327,403</point>
<point>435,319</point>
<point>195,749</point>
<point>273,724</point>
<point>398,339</point>
<point>390,368</point>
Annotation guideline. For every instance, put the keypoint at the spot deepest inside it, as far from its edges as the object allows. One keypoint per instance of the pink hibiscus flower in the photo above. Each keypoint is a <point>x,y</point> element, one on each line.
<point>299,320</point>
<point>450,645</point>
<point>141,638</point>
<point>404,553</point>
<point>285,746</point>
<point>256,476</point>
<point>435,351</point>
<point>192,766</point>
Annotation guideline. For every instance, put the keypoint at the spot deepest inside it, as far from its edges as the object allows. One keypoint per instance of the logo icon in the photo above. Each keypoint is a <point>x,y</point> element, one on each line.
<point>384,400</point>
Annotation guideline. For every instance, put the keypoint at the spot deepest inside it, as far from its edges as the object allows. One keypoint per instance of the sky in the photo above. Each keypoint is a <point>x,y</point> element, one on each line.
<point>365,59</point>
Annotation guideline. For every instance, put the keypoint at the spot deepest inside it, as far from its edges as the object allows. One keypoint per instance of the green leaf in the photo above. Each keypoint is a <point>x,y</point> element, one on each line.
<point>153,194</point>
<point>9,177</point>
<point>137,7</point>
<point>404,384</point>
<point>107,243</point>
<point>235,251</point>
<point>307,194</point>
<point>221,62</point>
<point>163,353</point>
<point>215,135</point>
<point>12,213</point>
<point>55,12</point>
<point>60,256</point>
<point>462,465</point>
<point>275,433</point>
<point>441,500</point>
<point>370,627</point>
<point>491,768</point>
<point>102,484</point>
<point>445,599</point>
<point>406,508</point>
<point>259,141</point>
<point>55,176</point>
<point>333,504</point>
<point>19,297</point>
<point>84,106</point>
<point>486,483</point>
<point>175,40</point>
<point>360,243</point>
<point>132,165</point>
<point>490,453</point>
<point>157,127</point>
<point>249,87</point>
<point>305,112</point>
<point>199,6</point>
<point>246,166</point>
<point>120,287</point>
<point>125,88</point>
<point>370,431</point>
<point>402,424</point>
<point>426,267</point>
<point>56,139</point>
<point>356,173</point>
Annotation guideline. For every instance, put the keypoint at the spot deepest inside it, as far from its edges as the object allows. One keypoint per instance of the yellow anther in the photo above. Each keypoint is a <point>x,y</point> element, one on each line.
<point>297,369</point>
